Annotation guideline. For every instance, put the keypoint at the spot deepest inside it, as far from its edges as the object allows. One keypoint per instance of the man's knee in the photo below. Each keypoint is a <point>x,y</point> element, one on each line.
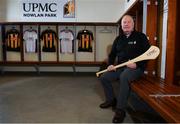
<point>130,74</point>
<point>106,77</point>
<point>127,75</point>
<point>124,75</point>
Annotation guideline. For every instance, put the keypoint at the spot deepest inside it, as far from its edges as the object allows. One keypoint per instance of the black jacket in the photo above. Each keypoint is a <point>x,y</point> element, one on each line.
<point>129,48</point>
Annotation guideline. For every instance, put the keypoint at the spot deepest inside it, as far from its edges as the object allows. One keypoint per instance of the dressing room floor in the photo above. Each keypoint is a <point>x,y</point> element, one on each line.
<point>52,99</point>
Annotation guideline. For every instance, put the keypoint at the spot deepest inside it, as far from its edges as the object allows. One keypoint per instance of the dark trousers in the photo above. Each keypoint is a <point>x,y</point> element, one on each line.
<point>124,76</point>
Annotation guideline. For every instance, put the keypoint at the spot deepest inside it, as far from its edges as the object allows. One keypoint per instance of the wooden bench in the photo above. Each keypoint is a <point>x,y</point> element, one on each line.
<point>38,64</point>
<point>163,98</point>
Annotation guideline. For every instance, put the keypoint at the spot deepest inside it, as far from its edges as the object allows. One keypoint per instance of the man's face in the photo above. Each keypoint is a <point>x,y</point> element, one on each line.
<point>127,24</point>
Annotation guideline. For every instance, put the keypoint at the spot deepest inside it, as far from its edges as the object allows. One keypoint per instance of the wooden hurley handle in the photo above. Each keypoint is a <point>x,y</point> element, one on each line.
<point>151,53</point>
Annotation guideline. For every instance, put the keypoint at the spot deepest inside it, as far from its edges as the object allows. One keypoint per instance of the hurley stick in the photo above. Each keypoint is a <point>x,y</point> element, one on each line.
<point>151,53</point>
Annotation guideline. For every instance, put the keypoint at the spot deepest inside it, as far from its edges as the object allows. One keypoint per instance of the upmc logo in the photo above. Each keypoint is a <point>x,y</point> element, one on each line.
<point>46,10</point>
<point>40,7</point>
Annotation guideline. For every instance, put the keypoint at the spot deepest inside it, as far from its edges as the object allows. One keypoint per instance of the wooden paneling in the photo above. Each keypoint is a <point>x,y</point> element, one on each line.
<point>151,32</point>
<point>160,33</point>
<point>177,47</point>
<point>170,56</point>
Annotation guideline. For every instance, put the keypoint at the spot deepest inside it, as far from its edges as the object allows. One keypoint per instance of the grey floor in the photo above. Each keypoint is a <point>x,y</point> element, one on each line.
<point>52,99</point>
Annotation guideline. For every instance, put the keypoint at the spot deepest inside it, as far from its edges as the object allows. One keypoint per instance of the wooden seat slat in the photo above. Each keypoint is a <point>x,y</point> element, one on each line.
<point>169,114</point>
<point>161,97</point>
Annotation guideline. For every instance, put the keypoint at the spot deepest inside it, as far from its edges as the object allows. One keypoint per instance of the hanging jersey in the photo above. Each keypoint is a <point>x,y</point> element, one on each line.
<point>85,38</point>
<point>30,38</point>
<point>49,39</point>
<point>13,40</point>
<point>66,41</point>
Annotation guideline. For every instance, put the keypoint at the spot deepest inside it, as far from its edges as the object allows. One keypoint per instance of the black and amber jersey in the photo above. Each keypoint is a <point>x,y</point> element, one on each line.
<point>49,38</point>
<point>85,38</point>
<point>13,42</point>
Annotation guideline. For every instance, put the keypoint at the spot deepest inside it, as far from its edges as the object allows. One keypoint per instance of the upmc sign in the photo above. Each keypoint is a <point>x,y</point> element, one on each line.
<point>40,7</point>
<point>42,10</point>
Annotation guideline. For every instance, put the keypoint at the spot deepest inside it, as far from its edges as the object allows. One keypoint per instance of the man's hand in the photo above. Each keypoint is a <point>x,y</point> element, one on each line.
<point>111,68</point>
<point>132,65</point>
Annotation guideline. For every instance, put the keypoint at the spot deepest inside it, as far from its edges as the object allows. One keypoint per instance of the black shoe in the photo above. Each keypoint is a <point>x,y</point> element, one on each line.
<point>108,104</point>
<point>119,116</point>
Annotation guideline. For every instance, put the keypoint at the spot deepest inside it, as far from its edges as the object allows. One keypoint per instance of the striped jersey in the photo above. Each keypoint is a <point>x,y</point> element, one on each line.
<point>85,38</point>
<point>13,42</point>
<point>49,38</point>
